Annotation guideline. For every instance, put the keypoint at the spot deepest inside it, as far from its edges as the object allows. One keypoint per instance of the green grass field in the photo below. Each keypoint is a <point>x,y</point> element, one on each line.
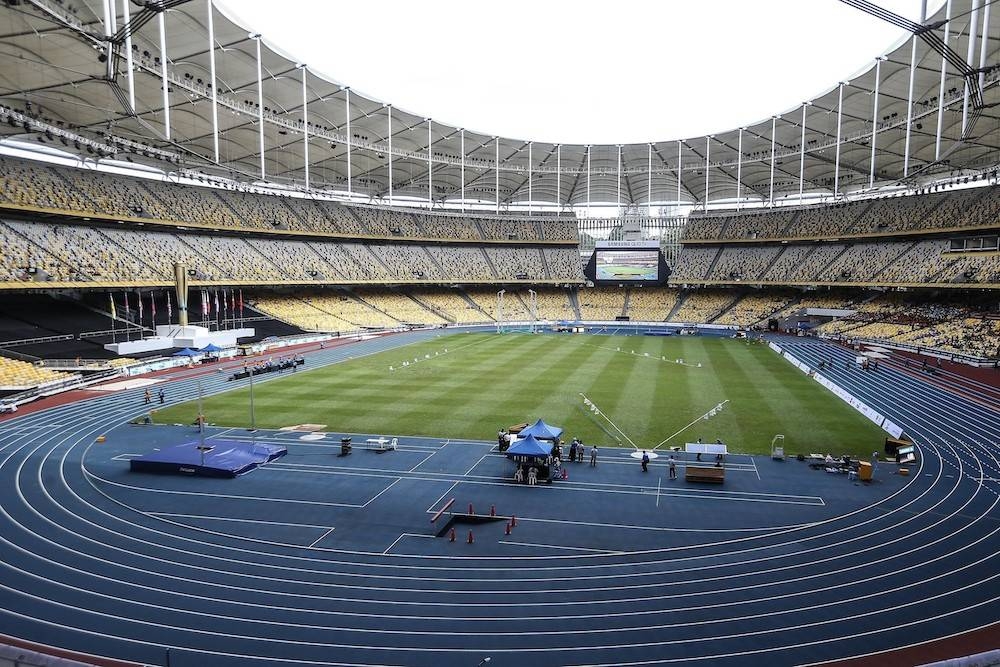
<point>486,381</point>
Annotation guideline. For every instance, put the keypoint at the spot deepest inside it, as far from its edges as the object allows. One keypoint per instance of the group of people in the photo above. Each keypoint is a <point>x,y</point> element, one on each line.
<point>148,396</point>
<point>671,465</point>
<point>577,450</point>
<point>270,366</point>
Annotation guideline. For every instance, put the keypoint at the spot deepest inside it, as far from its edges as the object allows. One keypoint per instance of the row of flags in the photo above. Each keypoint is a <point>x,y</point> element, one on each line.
<point>230,303</point>
<point>230,306</point>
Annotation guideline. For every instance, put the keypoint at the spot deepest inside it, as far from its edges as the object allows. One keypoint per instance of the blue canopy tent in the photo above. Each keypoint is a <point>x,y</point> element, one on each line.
<point>532,458</point>
<point>211,347</point>
<point>542,431</point>
<point>186,352</point>
<point>530,446</point>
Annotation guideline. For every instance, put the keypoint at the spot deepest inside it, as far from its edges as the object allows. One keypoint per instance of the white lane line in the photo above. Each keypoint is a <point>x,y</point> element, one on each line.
<point>227,496</point>
<point>436,503</point>
<point>320,538</point>
<point>755,468</point>
<point>238,520</point>
<point>422,461</point>
<point>558,546</point>
<point>401,536</point>
<point>483,480</point>
<point>474,465</point>
<point>375,497</point>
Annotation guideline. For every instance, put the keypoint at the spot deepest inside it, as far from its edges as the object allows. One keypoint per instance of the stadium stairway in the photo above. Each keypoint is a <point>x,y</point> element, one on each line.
<point>726,308</point>
<point>427,306</point>
<point>681,298</point>
<point>574,301</point>
<point>715,260</point>
<point>861,215</point>
<point>791,223</point>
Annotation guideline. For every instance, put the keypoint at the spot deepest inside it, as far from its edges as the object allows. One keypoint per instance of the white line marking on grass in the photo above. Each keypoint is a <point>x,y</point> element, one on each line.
<point>320,538</point>
<point>558,546</point>
<point>401,536</point>
<point>226,518</point>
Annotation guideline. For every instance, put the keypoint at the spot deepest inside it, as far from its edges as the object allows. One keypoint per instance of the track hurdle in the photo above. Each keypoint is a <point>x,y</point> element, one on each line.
<point>447,506</point>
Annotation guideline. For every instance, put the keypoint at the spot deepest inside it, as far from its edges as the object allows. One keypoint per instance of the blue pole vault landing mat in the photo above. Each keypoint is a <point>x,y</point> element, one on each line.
<point>215,459</point>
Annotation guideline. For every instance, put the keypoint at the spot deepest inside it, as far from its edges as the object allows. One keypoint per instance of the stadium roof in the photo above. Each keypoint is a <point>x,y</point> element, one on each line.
<point>318,132</point>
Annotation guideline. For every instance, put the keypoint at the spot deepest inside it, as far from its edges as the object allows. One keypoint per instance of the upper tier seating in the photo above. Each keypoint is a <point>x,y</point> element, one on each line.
<point>114,254</point>
<point>78,190</point>
<point>971,207</point>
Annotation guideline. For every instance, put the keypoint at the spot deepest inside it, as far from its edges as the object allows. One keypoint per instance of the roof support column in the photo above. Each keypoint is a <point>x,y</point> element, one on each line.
<point>984,38</point>
<point>496,141</point>
<point>350,139</point>
<point>649,180</point>
<point>260,107</point>
<point>430,165</point>
<point>110,27</point>
<point>305,126</point>
<point>110,15</point>
<point>388,109</point>
<point>973,23</point>
<point>944,75</point>
<point>211,65</point>
<point>770,191</point>
<point>678,172</point>
<point>619,179</point>
<point>127,17</point>
<point>530,144</point>
<point>909,108</point>
<point>462,135</point>
<point>588,180</point>
<point>836,162</point>
<point>161,19</point>
<point>739,169</point>
<point>708,150</point>
<point>871,170</point>
<point>802,152</point>
<point>558,178</point>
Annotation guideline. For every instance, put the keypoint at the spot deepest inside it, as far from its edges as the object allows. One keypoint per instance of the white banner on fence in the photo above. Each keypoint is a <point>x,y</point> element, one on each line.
<point>892,428</point>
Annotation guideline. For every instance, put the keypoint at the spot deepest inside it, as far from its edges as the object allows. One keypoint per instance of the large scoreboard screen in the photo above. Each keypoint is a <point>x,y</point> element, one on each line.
<point>623,265</point>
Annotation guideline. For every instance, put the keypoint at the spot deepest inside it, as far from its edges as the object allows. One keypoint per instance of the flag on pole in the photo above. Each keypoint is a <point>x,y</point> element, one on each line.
<point>232,301</point>
<point>216,303</point>
<point>139,299</point>
<point>204,304</point>
<point>170,311</point>
<point>114,313</point>
<point>128,312</point>
<point>241,303</point>
<point>152,306</point>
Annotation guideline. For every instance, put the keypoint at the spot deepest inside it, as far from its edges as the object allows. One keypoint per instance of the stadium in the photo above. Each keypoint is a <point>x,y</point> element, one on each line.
<point>292,376</point>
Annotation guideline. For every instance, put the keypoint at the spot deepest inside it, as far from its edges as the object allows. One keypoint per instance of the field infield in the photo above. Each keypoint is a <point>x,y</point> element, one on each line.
<point>646,389</point>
